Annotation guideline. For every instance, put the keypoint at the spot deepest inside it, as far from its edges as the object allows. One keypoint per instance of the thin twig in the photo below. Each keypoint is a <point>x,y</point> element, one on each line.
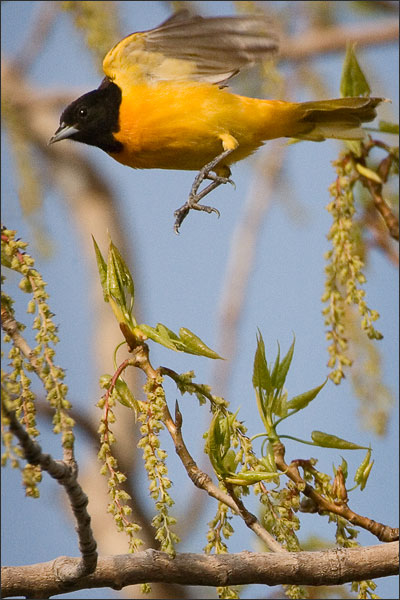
<point>10,327</point>
<point>384,533</point>
<point>382,207</point>
<point>378,230</point>
<point>89,428</point>
<point>204,482</point>
<point>66,474</point>
<point>199,478</point>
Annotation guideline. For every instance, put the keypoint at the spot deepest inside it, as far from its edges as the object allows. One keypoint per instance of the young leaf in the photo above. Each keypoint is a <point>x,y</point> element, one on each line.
<point>169,337</point>
<point>284,367</point>
<point>345,469</point>
<point>302,400</point>
<point>229,461</point>
<point>215,439</point>
<point>154,335</point>
<point>250,477</point>
<point>125,396</point>
<point>365,475</point>
<point>279,405</point>
<point>102,268</point>
<point>326,440</point>
<point>119,280</point>
<point>368,173</point>
<point>388,127</point>
<point>167,333</point>
<point>353,81</point>
<point>364,470</point>
<point>274,373</point>
<point>261,375</point>
<point>194,345</point>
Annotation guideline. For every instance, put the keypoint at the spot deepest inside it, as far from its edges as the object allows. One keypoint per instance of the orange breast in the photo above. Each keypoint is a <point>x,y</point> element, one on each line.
<point>176,125</point>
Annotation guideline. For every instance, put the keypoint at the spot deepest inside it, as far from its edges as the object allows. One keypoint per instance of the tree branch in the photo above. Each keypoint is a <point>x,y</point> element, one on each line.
<point>200,479</point>
<point>382,207</point>
<point>332,567</point>
<point>66,474</point>
<point>384,533</point>
<point>204,482</point>
<point>335,39</point>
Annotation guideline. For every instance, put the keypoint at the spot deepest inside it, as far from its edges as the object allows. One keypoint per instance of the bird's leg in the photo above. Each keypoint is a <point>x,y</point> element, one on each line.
<point>194,197</point>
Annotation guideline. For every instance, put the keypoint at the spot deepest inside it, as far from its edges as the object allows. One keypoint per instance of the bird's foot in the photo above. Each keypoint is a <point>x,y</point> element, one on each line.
<point>195,196</point>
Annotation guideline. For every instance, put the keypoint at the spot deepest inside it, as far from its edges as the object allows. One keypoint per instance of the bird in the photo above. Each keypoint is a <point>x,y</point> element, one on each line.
<point>164,103</point>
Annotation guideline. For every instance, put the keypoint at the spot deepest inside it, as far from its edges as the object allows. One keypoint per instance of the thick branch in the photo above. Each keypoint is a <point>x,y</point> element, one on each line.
<point>332,567</point>
<point>66,475</point>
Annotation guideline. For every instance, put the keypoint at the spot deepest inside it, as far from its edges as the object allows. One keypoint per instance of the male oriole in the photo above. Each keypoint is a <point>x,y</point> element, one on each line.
<point>164,103</point>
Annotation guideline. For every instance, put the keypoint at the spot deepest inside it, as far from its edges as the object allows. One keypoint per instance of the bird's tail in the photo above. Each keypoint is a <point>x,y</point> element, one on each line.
<point>340,118</point>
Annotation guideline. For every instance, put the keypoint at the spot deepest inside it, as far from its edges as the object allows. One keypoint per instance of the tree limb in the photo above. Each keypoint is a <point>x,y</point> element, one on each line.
<point>384,533</point>
<point>66,474</point>
<point>332,567</point>
<point>314,42</point>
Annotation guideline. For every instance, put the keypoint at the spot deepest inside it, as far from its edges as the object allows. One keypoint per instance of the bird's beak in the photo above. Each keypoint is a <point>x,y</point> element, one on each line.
<point>64,131</point>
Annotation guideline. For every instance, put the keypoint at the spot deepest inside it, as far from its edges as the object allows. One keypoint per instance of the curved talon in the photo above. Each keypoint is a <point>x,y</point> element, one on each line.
<point>181,213</point>
<point>207,209</point>
<point>221,180</point>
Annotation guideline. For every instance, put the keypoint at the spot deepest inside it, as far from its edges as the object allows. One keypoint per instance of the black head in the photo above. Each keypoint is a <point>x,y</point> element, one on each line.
<point>93,118</point>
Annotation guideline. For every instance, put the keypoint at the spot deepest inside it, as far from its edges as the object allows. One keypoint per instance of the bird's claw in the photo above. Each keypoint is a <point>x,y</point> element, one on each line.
<point>194,197</point>
<point>221,179</point>
<point>192,204</point>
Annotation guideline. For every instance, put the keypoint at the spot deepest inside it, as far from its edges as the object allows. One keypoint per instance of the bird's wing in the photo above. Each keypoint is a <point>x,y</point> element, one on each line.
<point>191,48</point>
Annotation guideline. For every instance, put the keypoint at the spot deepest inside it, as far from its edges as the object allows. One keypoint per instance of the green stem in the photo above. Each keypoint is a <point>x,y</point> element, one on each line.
<point>291,437</point>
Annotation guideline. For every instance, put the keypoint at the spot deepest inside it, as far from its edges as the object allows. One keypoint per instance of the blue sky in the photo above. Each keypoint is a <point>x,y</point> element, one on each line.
<point>179,281</point>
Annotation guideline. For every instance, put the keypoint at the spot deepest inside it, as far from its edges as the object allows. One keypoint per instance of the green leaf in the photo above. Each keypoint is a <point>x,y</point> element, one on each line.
<point>125,396</point>
<point>368,173</point>
<point>279,405</point>
<point>249,477</point>
<point>215,439</point>
<point>229,461</point>
<point>275,369</point>
<point>364,470</point>
<point>155,335</point>
<point>326,440</point>
<point>166,333</point>
<point>194,345</point>
<point>365,476</point>
<point>284,367</point>
<point>355,147</point>
<point>353,81</point>
<point>169,337</point>
<point>345,469</point>
<point>187,342</point>
<point>261,375</point>
<point>269,459</point>
<point>388,127</point>
<point>102,268</point>
<point>302,400</point>
<point>119,280</point>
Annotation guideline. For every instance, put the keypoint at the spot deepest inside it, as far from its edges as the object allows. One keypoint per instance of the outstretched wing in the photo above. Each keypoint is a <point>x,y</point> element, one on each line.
<point>191,48</point>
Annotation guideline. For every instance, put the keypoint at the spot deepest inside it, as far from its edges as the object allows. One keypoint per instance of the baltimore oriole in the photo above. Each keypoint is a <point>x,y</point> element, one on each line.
<point>164,103</point>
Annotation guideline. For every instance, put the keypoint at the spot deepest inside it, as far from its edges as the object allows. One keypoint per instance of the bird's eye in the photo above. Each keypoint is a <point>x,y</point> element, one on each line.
<point>82,112</point>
